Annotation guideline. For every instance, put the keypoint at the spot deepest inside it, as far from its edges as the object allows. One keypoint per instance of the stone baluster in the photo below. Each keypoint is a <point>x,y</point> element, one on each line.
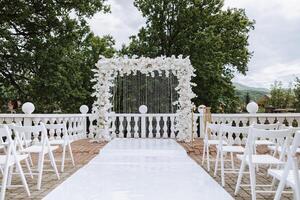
<point>76,128</point>
<point>52,131</point>
<point>70,127</point>
<point>113,126</point>
<point>150,126</point>
<point>157,128</point>
<point>121,127</point>
<point>172,124</point>
<point>136,127</point>
<point>36,122</point>
<point>127,126</point>
<point>165,126</point>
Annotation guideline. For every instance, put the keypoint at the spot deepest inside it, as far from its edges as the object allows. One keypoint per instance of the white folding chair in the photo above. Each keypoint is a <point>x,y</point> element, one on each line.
<point>226,133</point>
<point>62,139</point>
<point>277,148</point>
<point>9,160</point>
<point>42,148</point>
<point>290,175</point>
<point>252,159</point>
<point>209,140</point>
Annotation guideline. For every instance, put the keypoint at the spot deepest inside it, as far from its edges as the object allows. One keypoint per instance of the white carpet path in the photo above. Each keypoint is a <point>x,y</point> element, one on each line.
<point>140,169</point>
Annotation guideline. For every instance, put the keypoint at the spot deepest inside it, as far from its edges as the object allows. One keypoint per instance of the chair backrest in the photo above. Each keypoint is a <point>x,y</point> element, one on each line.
<point>270,134</point>
<point>28,130</point>
<point>59,129</point>
<point>282,136</point>
<point>267,126</point>
<point>5,132</point>
<point>211,128</point>
<point>227,132</point>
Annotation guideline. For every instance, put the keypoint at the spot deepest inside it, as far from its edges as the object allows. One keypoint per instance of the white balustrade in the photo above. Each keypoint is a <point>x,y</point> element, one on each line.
<point>288,119</point>
<point>76,130</point>
<point>144,125</point>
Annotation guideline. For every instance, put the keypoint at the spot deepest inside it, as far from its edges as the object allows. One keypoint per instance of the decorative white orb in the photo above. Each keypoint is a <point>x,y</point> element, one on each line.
<point>201,108</point>
<point>252,107</point>
<point>143,109</point>
<point>28,108</point>
<point>84,109</point>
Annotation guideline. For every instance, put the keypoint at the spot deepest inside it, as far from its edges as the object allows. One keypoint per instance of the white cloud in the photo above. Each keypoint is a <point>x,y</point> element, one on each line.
<point>275,41</point>
<point>123,21</point>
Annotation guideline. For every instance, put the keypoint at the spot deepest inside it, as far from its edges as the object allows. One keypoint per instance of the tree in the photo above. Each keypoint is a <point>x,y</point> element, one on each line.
<point>216,40</point>
<point>247,98</point>
<point>297,94</point>
<point>47,51</point>
<point>281,97</point>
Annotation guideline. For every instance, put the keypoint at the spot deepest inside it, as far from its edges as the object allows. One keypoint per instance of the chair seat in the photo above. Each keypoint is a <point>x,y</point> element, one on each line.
<point>11,159</point>
<point>38,149</point>
<point>262,159</point>
<point>264,142</point>
<point>277,173</point>
<point>234,149</point>
<point>215,142</point>
<point>59,142</point>
<point>27,142</point>
<point>273,148</point>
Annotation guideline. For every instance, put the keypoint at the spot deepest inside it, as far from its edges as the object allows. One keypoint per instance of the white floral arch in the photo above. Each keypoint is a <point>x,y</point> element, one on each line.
<point>107,69</point>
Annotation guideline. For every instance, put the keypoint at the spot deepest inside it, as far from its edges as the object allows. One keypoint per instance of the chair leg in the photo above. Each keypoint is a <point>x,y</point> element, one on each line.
<point>239,180</point>
<point>71,154</point>
<point>207,158</point>
<point>41,168</point>
<point>217,162</point>
<point>10,174</point>
<point>28,168</point>
<point>252,181</point>
<point>53,163</point>
<point>20,170</point>
<point>30,160</point>
<point>63,158</point>
<point>4,182</point>
<point>203,154</point>
<point>222,169</point>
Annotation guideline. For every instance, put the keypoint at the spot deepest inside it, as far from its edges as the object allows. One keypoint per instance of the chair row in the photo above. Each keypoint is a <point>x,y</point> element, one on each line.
<point>277,138</point>
<point>18,147</point>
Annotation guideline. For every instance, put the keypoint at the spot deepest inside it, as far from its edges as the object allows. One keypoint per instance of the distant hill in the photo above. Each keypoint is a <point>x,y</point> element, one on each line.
<point>255,93</point>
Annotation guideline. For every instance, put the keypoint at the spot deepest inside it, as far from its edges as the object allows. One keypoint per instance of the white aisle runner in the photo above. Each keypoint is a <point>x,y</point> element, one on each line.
<point>140,169</point>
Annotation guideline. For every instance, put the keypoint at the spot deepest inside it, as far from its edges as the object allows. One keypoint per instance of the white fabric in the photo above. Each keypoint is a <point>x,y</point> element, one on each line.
<point>140,169</point>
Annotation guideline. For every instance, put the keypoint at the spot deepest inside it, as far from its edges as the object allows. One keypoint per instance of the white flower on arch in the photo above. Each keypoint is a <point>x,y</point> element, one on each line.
<point>107,69</point>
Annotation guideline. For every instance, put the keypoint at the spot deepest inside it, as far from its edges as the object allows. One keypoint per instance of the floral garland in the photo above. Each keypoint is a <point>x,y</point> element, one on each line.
<point>107,69</point>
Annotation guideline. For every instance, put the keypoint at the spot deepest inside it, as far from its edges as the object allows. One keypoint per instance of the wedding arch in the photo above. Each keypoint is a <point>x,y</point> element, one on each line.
<point>107,69</point>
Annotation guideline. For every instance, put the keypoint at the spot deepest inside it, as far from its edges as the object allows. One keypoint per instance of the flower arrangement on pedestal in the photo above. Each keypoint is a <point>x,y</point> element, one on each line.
<point>107,69</point>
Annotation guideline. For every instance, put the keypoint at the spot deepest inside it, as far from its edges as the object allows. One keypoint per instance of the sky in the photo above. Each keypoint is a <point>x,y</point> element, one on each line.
<point>275,42</point>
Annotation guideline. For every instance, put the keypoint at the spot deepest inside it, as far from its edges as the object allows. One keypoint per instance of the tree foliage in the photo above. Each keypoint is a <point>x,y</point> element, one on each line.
<point>47,51</point>
<point>216,39</point>
<point>281,97</point>
<point>297,94</point>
